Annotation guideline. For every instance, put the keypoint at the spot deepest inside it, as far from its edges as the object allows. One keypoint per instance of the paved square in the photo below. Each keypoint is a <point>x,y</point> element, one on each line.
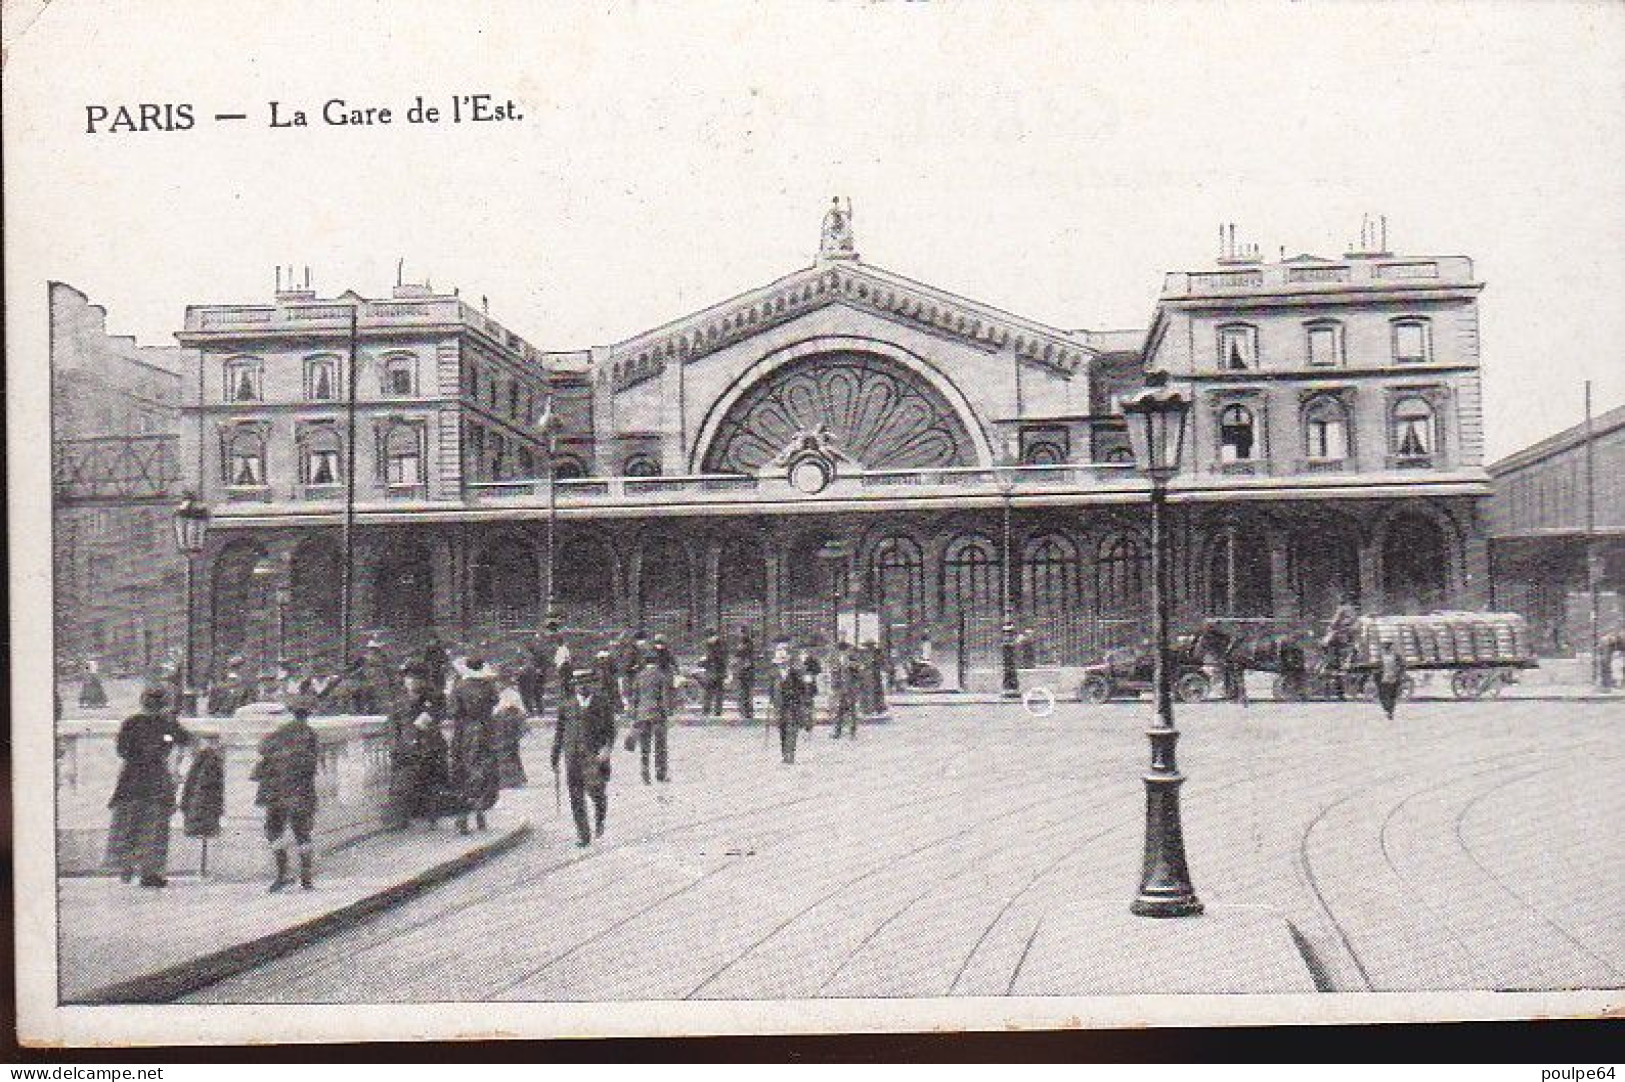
<point>1466,845</point>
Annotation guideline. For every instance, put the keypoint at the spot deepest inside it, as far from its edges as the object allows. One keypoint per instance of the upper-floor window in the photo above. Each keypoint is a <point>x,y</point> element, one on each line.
<point>400,377</point>
<point>1326,431</point>
<point>499,457</point>
<point>1413,428</point>
<point>1238,440</point>
<point>1413,344</point>
<point>244,464</point>
<point>1325,343</point>
<point>321,379</point>
<point>568,468</point>
<point>322,463</point>
<point>243,377</point>
<point>641,465</point>
<point>1120,456</point>
<point>527,462</point>
<point>403,456</point>
<point>1238,347</point>
<point>513,400</point>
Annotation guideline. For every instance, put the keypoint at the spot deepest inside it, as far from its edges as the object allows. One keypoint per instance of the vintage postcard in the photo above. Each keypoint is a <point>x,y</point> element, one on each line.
<point>724,517</point>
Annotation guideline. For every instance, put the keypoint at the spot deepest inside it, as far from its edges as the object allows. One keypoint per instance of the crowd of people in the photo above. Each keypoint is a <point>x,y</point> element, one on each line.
<point>456,724</point>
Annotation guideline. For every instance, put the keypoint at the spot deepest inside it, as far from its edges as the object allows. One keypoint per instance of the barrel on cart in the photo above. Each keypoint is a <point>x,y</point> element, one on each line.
<point>1482,651</point>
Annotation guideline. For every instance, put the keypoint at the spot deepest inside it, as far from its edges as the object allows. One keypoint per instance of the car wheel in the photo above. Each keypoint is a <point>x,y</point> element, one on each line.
<point>1192,687</point>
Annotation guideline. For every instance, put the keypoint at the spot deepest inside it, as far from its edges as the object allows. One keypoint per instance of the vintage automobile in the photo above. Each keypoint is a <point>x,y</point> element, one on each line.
<point>1127,672</point>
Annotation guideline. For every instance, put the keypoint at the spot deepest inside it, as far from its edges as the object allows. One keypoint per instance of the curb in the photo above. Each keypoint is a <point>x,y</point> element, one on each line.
<point>169,984</point>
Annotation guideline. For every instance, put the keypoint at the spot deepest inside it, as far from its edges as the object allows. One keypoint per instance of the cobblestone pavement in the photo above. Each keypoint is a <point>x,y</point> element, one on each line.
<point>1466,845</point>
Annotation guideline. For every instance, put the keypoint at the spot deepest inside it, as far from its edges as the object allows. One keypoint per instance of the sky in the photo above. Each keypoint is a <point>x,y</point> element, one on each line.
<point>1053,159</point>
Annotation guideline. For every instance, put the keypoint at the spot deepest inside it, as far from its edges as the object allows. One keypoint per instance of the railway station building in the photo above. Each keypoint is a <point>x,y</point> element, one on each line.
<point>844,450</point>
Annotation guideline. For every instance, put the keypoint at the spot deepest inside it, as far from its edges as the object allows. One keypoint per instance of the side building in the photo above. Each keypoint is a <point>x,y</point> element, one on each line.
<point>1546,549</point>
<point>847,450</point>
<point>115,429</point>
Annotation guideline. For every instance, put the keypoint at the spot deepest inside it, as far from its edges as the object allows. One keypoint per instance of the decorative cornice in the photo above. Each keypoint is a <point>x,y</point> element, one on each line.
<point>642,358</point>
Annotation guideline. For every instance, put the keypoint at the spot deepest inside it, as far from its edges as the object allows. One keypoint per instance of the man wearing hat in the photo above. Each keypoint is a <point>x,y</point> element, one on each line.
<point>286,774</point>
<point>144,798</point>
<point>582,742</point>
<point>790,698</point>
<point>651,710</point>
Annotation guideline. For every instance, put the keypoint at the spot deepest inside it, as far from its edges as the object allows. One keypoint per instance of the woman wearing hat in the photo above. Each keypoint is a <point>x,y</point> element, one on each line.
<point>474,770</point>
<point>144,798</point>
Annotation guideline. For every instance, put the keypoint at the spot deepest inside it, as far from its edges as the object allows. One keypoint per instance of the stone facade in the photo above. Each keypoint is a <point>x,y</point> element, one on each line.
<point>849,448</point>
<point>115,417</point>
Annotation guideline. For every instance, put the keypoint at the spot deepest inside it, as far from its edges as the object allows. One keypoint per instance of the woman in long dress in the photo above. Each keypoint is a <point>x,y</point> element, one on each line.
<point>144,798</point>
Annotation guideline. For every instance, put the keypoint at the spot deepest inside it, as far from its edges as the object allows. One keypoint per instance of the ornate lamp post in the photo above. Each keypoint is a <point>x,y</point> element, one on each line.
<point>1010,679</point>
<point>1157,427</point>
<point>191,522</point>
<point>547,426</point>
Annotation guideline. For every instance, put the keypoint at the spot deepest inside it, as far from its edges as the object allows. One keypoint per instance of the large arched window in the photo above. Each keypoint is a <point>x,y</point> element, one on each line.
<point>971,575</point>
<point>897,581</point>
<point>1238,434</point>
<point>1326,430</point>
<point>1413,428</point>
<point>1120,578</point>
<point>507,581</point>
<point>1051,577</point>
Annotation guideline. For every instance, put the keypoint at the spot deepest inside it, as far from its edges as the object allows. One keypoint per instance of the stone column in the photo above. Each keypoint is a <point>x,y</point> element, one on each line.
<point>1371,598</point>
<point>1285,598</point>
<point>446,550</point>
<point>710,592</point>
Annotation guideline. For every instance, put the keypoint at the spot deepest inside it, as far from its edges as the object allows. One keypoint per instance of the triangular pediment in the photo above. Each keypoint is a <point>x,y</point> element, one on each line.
<point>851,284</point>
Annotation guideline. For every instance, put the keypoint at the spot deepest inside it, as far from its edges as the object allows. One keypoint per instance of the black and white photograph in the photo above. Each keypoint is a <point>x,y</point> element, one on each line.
<point>728,518</point>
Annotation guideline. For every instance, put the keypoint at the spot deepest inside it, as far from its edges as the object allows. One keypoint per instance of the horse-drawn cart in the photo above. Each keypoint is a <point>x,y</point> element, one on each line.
<point>1482,651</point>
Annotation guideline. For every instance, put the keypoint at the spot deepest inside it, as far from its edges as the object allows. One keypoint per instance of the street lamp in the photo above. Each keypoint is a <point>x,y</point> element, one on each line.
<point>546,426</point>
<point>1157,428</point>
<point>1011,679</point>
<point>191,522</point>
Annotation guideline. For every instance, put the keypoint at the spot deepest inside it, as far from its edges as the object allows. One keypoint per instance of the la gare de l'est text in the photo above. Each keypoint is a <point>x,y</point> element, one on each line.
<point>112,117</point>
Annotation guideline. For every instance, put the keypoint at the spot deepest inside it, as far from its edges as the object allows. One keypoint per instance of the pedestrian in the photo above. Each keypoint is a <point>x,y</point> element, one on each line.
<point>874,678</point>
<point>745,674</point>
<point>407,765</point>
<point>475,774</point>
<point>92,695</point>
<point>582,743</point>
<point>203,794</point>
<point>1390,677</point>
<point>563,664</point>
<point>790,699</point>
<point>843,690</point>
<point>286,773</point>
<point>610,684</point>
<point>435,660</point>
<point>508,727</point>
<point>714,663</point>
<point>144,797</point>
<point>530,680</point>
<point>650,709</point>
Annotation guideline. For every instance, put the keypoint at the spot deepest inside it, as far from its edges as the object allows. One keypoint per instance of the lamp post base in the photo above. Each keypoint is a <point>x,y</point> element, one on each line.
<point>1165,880</point>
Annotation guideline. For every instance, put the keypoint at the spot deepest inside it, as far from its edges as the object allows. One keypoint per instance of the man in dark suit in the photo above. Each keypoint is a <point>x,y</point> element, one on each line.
<point>582,742</point>
<point>745,674</point>
<point>715,663</point>
<point>791,699</point>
